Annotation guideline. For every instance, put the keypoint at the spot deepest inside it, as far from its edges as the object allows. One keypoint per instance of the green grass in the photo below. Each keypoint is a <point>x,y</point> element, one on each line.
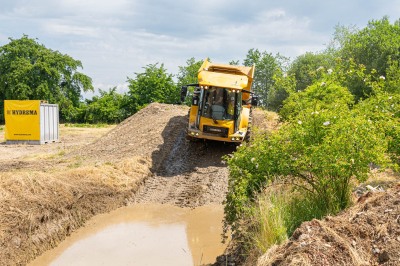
<point>86,125</point>
<point>270,213</point>
<point>278,211</point>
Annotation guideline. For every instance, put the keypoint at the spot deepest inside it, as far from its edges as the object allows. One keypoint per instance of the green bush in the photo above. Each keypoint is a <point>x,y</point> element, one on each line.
<point>383,110</point>
<point>319,150</point>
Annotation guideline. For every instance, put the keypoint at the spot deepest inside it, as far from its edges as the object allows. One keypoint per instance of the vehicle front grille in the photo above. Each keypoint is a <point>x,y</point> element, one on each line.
<point>218,131</point>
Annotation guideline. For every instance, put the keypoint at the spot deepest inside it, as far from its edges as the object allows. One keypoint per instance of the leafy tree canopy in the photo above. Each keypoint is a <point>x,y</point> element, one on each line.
<point>109,107</point>
<point>153,85</point>
<point>377,47</point>
<point>305,68</point>
<point>29,70</point>
<point>267,68</point>
<point>188,74</point>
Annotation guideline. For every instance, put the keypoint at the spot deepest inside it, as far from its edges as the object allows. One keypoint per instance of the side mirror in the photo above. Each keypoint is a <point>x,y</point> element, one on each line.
<point>183,93</point>
<point>254,100</point>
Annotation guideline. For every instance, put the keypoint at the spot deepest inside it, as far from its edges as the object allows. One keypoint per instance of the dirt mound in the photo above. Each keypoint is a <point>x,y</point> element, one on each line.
<point>366,234</point>
<point>138,135</point>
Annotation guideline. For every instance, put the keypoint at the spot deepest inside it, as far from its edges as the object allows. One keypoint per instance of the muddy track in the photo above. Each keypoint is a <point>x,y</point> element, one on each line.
<point>185,173</point>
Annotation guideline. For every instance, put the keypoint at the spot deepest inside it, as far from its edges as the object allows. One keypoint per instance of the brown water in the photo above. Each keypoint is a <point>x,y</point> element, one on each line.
<point>143,234</point>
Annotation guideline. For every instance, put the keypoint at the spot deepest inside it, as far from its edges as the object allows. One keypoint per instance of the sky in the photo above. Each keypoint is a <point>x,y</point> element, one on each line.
<point>114,39</point>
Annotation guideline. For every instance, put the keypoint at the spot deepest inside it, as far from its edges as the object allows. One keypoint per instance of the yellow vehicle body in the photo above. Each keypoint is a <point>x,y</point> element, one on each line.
<point>221,104</point>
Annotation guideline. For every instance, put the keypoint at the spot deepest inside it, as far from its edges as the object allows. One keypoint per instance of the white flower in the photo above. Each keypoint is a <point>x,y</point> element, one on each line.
<point>323,83</point>
<point>326,123</point>
<point>382,77</point>
<point>299,122</point>
<point>320,68</point>
<point>253,159</point>
<point>390,97</point>
<point>352,161</point>
<point>315,113</point>
<point>257,166</point>
<point>330,71</point>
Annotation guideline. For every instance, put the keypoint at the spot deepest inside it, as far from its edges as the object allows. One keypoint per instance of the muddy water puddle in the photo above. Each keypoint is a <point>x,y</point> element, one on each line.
<point>143,234</point>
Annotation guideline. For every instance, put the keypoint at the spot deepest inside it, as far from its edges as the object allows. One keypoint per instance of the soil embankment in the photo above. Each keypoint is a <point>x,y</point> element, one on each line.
<point>366,234</point>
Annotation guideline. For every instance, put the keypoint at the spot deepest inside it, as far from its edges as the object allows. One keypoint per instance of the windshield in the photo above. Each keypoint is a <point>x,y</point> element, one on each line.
<point>219,104</point>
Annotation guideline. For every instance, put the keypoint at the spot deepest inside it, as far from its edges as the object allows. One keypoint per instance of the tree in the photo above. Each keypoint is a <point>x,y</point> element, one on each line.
<point>305,68</point>
<point>109,107</point>
<point>377,47</point>
<point>153,85</point>
<point>30,71</point>
<point>267,66</point>
<point>188,75</point>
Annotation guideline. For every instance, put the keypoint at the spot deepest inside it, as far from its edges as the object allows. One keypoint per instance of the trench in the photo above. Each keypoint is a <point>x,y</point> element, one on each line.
<point>143,234</point>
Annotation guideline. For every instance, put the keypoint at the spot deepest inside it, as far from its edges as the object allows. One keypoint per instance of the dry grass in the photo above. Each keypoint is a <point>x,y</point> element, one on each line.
<point>383,178</point>
<point>39,208</point>
<point>264,121</point>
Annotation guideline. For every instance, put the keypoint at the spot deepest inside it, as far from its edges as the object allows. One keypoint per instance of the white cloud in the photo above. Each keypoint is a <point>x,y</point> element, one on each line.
<point>64,29</point>
<point>96,7</point>
<point>114,39</point>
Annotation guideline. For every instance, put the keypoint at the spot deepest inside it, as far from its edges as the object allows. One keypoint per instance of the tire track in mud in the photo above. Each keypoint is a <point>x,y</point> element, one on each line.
<point>190,174</point>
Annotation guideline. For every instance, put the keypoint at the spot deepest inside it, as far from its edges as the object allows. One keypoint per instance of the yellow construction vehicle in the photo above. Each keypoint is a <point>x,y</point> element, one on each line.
<point>221,102</point>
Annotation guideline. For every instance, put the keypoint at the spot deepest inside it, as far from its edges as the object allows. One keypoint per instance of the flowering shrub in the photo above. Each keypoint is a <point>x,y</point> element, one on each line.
<point>321,147</point>
<point>383,110</point>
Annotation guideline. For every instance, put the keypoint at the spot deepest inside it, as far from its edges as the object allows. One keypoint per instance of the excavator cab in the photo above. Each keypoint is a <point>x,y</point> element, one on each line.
<point>221,104</point>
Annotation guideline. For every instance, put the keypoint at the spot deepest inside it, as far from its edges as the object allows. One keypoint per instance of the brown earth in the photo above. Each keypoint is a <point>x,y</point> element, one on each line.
<point>48,191</point>
<point>365,234</point>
